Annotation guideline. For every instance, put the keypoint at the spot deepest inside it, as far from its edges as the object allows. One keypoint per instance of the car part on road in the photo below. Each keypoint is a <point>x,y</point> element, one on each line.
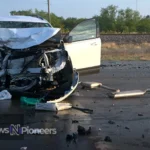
<point>5,95</point>
<point>53,106</point>
<point>107,139</point>
<point>82,131</point>
<point>23,148</point>
<point>126,94</point>
<point>96,85</point>
<point>30,101</point>
<point>88,111</point>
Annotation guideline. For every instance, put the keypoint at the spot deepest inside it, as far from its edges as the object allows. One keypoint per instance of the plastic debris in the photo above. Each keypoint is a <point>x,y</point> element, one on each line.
<point>75,121</point>
<point>5,95</point>
<point>111,122</point>
<point>107,139</point>
<point>127,128</point>
<point>53,106</point>
<point>30,101</point>
<point>23,148</point>
<point>83,131</point>
<point>69,137</point>
<point>140,115</point>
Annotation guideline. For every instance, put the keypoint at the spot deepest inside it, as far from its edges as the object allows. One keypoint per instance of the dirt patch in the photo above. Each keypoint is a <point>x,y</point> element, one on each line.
<point>114,51</point>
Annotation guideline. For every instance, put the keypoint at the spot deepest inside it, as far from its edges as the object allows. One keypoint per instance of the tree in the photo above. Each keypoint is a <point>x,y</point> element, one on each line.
<point>144,25</point>
<point>108,18</point>
<point>132,18</point>
<point>120,25</point>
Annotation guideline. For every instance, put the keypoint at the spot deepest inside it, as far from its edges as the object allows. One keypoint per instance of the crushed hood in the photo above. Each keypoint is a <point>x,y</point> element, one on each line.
<point>23,38</point>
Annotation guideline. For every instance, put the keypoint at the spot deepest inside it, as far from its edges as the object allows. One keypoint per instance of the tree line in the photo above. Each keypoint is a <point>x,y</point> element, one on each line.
<point>111,20</point>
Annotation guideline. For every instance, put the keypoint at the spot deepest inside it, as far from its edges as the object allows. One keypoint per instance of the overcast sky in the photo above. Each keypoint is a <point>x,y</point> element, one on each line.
<point>72,8</point>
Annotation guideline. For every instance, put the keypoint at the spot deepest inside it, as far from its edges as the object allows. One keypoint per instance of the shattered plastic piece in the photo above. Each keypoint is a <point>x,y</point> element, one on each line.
<point>83,131</point>
<point>111,122</point>
<point>96,85</point>
<point>5,95</point>
<point>23,148</point>
<point>75,121</point>
<point>143,136</point>
<point>53,106</point>
<point>100,129</point>
<point>107,139</point>
<point>69,137</point>
<point>55,116</point>
<point>127,128</point>
<point>140,115</point>
<point>30,101</point>
<point>89,131</point>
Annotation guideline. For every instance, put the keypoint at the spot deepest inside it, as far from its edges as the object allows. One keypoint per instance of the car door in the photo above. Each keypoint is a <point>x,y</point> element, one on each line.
<point>83,44</point>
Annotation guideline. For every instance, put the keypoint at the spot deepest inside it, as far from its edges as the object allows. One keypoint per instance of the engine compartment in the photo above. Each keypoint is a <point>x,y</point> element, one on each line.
<point>34,70</point>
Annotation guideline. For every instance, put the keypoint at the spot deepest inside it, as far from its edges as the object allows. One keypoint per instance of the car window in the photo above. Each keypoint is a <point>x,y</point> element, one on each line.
<point>13,24</point>
<point>84,31</point>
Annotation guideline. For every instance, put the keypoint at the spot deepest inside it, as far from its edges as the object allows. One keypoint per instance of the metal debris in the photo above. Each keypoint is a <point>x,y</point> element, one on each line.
<point>111,122</point>
<point>107,139</point>
<point>127,128</point>
<point>83,131</point>
<point>23,148</point>
<point>140,114</point>
<point>75,121</point>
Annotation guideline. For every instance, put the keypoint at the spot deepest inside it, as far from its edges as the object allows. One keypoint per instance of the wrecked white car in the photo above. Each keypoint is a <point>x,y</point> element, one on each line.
<point>34,61</point>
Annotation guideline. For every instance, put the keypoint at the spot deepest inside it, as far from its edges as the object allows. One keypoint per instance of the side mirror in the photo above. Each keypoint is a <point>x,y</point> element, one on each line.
<point>68,39</point>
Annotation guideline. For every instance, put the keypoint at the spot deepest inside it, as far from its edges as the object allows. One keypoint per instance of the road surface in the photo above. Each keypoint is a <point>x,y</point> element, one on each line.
<point>131,117</point>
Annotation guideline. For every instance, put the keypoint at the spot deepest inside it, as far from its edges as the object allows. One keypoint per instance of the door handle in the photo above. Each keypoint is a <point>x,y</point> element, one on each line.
<point>94,44</point>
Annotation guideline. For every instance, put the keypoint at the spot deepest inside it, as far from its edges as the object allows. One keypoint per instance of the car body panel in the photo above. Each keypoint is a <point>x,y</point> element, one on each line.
<point>25,37</point>
<point>85,47</point>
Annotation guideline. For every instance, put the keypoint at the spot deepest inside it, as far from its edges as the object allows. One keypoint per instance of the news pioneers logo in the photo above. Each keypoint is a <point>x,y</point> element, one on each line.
<point>17,130</point>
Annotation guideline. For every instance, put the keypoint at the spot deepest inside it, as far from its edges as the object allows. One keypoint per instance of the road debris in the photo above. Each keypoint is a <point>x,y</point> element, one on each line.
<point>111,122</point>
<point>55,116</point>
<point>140,115</point>
<point>69,137</point>
<point>107,139</point>
<point>53,106</point>
<point>88,111</point>
<point>30,101</point>
<point>93,85</point>
<point>23,148</point>
<point>75,121</point>
<point>143,136</point>
<point>127,128</point>
<point>5,95</point>
<point>126,94</point>
<point>82,131</point>
<point>100,129</point>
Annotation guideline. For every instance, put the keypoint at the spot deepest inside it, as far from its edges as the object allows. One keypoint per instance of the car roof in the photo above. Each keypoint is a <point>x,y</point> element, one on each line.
<point>23,19</point>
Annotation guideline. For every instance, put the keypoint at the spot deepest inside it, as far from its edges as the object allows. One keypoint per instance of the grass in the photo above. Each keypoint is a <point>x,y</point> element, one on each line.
<point>113,51</point>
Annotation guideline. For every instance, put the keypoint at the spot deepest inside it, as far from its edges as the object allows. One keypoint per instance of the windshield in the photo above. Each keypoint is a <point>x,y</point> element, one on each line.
<point>13,24</point>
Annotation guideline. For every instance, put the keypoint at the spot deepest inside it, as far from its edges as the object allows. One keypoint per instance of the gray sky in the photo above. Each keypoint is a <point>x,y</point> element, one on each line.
<point>72,8</point>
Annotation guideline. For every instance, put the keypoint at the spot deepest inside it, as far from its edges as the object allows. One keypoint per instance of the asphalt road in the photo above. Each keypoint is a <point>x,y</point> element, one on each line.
<point>131,128</point>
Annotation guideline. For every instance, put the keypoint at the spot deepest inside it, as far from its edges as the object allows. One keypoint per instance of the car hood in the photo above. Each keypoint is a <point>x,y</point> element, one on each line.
<point>23,38</point>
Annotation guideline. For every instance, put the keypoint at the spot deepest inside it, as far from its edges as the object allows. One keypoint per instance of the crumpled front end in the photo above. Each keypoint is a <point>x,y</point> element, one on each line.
<point>42,70</point>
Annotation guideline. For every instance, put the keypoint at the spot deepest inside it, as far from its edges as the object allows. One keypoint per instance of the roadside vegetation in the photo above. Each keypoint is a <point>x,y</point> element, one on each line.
<point>111,20</point>
<point>113,51</point>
